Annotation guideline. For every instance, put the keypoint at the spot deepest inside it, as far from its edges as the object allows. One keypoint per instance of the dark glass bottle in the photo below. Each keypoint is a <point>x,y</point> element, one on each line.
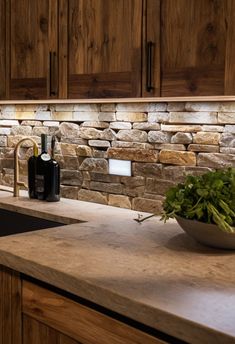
<point>42,169</point>
<point>32,163</point>
<point>52,177</point>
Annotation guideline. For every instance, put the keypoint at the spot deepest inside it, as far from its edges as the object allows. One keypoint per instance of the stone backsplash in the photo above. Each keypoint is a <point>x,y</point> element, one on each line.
<point>164,142</point>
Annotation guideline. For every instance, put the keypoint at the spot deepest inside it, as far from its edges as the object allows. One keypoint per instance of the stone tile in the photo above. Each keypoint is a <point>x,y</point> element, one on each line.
<point>227,140</point>
<point>177,158</point>
<point>92,196</point>
<point>119,201</point>
<point>123,144</point>
<point>71,178</point>
<point>131,116</point>
<point>21,130</point>
<point>108,107</point>
<point>106,178</point>
<point>227,150</point>
<point>107,116</point>
<point>158,137</point>
<point>32,123</point>
<point>226,117</point>
<point>94,165</point>
<point>173,173</point>
<point>213,128</point>
<point>141,107</point>
<point>210,106</point>
<point>42,116</point>
<point>87,107</point>
<point>69,129</point>
<point>83,150</point>
<point>147,169</point>
<point>99,143</point>
<point>8,123</point>
<point>37,131</point>
<point>146,126</point>
<point>64,107</point>
<point>158,186</point>
<point>182,137</point>
<point>133,182</point>
<point>229,129</point>
<point>70,162</point>
<point>147,205</point>
<point>206,138</point>
<point>216,160</point>
<point>68,149</point>
<point>97,125</point>
<point>114,188</point>
<point>176,106</point>
<point>70,192</point>
<point>89,133</point>
<point>132,135</point>
<point>159,117</point>
<point>133,154</point>
<point>170,146</point>
<point>81,116</point>
<point>25,115</point>
<point>138,191</point>
<point>5,131</point>
<point>13,140</point>
<point>183,128</point>
<point>120,125</point>
<point>193,117</point>
<point>61,116</point>
<point>108,134</point>
<point>51,123</point>
<point>3,141</point>
<point>203,148</point>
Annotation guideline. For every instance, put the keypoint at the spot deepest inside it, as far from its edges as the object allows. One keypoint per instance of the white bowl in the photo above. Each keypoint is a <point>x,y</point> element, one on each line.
<point>207,234</point>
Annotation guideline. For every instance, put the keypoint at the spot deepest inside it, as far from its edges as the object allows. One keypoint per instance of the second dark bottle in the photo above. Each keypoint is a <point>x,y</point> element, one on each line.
<point>42,169</point>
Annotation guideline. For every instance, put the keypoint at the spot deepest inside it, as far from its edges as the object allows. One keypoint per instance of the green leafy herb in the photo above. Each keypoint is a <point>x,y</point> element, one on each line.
<point>209,198</point>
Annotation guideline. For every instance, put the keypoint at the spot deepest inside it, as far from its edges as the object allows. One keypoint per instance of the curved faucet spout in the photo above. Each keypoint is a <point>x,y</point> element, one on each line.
<point>18,183</point>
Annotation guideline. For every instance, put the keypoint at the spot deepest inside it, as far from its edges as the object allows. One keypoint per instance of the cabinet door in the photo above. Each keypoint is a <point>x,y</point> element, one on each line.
<point>2,49</point>
<point>197,47</point>
<point>104,48</point>
<point>35,332</point>
<point>32,31</point>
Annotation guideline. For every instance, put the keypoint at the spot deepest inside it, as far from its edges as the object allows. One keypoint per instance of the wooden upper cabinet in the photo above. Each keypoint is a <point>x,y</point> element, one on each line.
<point>32,45</point>
<point>2,49</point>
<point>104,48</point>
<point>197,47</point>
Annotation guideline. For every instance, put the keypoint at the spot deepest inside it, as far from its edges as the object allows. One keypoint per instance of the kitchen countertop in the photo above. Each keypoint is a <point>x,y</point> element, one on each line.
<point>151,272</point>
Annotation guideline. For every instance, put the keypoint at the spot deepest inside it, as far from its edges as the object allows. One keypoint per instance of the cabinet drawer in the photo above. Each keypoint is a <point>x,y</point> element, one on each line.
<point>78,321</point>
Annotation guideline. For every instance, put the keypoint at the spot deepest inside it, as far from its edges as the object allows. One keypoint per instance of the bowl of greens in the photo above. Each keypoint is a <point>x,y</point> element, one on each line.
<point>204,207</point>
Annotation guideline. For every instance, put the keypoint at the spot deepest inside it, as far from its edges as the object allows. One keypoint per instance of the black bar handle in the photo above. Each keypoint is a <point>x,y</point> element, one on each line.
<point>52,83</point>
<point>149,61</point>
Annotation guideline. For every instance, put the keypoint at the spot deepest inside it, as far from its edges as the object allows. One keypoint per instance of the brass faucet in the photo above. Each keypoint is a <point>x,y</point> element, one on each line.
<point>18,183</point>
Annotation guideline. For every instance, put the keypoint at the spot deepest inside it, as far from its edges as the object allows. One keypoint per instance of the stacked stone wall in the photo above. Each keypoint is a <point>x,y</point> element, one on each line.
<point>164,142</point>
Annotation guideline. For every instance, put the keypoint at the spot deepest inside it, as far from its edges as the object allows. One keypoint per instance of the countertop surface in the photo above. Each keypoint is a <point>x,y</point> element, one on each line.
<point>151,272</point>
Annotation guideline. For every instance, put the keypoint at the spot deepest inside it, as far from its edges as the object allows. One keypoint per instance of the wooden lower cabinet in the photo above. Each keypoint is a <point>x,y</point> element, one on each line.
<point>33,314</point>
<point>35,332</point>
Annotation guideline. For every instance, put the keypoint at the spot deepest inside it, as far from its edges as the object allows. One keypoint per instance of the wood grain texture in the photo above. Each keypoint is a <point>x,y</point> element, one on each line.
<point>193,47</point>
<point>33,34</point>
<point>10,307</point>
<point>77,321</point>
<point>35,332</point>
<point>230,49</point>
<point>63,49</point>
<point>2,49</point>
<point>105,37</point>
<point>151,33</point>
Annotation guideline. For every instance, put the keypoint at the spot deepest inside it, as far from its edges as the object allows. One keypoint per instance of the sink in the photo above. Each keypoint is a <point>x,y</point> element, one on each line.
<point>13,223</point>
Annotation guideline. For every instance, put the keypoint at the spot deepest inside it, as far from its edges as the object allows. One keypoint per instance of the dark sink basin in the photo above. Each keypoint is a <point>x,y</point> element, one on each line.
<point>13,223</point>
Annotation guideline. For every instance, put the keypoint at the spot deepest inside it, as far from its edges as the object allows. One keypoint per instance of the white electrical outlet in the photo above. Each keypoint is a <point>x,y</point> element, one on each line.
<point>120,167</point>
